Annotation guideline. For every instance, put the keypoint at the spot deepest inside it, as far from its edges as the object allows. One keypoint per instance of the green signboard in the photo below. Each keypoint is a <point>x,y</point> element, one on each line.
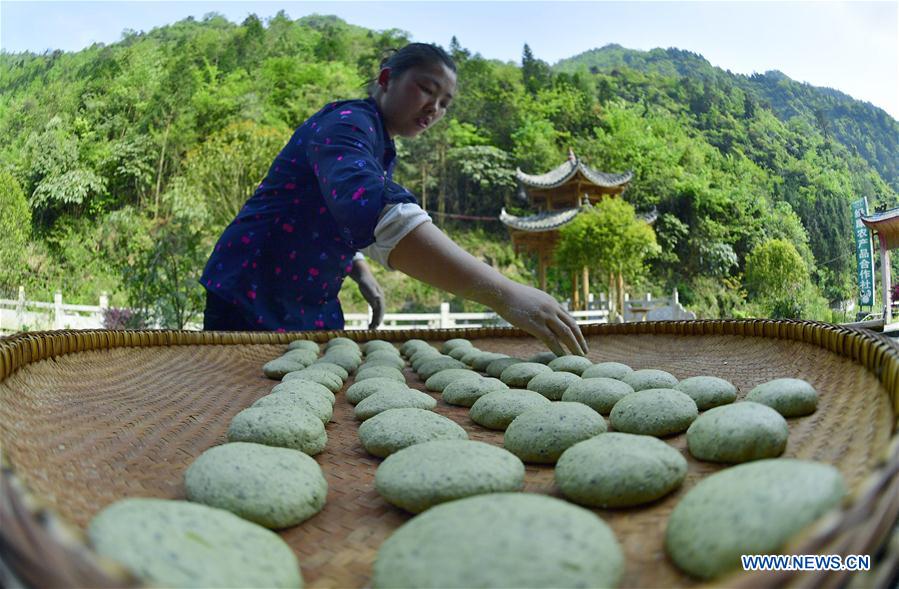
<point>864,254</point>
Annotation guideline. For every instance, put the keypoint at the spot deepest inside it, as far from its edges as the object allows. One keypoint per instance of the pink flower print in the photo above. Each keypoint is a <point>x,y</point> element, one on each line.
<point>321,210</point>
<point>229,244</point>
<point>324,285</point>
<point>277,168</point>
<point>314,271</point>
<point>245,264</point>
<point>319,324</point>
<point>253,265</point>
<point>251,294</point>
<point>218,247</point>
<point>346,112</point>
<point>370,128</point>
<point>218,284</point>
<point>315,169</point>
<point>327,141</point>
<point>348,269</point>
<point>287,227</point>
<point>290,186</point>
<point>359,192</point>
<point>334,192</point>
<point>293,161</point>
<point>295,277</point>
<point>339,158</point>
<point>277,270</point>
<point>293,255</point>
<point>209,282</point>
<point>313,125</point>
<point>280,330</point>
<point>244,240</point>
<point>343,258</point>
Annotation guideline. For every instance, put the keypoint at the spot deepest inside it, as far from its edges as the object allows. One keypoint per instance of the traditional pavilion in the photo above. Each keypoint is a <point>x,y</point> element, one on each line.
<point>886,225</point>
<point>559,195</point>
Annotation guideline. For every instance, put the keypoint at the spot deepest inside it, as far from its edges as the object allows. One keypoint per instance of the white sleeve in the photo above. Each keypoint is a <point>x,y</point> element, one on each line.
<point>395,223</point>
<point>359,257</point>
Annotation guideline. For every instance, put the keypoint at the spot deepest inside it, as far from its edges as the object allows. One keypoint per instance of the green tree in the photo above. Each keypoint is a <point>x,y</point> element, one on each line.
<point>775,272</point>
<point>15,227</point>
<point>609,239</point>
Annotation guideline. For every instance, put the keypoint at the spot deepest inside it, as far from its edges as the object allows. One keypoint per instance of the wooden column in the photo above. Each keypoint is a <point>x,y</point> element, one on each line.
<point>575,294</point>
<point>885,279</point>
<point>586,287</point>
<point>541,269</point>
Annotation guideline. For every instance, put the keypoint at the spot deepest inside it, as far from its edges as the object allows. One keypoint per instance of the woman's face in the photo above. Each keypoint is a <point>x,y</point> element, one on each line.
<point>415,100</point>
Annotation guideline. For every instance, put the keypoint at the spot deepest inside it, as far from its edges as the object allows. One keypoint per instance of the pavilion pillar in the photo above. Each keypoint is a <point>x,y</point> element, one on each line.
<point>541,269</point>
<point>575,293</point>
<point>586,286</point>
<point>885,279</point>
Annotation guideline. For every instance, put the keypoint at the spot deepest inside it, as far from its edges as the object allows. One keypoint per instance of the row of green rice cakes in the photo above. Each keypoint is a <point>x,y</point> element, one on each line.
<point>467,493</point>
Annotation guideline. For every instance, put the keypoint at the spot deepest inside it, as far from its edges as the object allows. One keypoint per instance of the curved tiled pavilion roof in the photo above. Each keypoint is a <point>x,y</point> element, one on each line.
<point>886,224</point>
<point>569,168</point>
<point>545,221</point>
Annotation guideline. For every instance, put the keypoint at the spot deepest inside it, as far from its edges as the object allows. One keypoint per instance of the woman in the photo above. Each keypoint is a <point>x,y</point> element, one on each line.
<point>329,195</point>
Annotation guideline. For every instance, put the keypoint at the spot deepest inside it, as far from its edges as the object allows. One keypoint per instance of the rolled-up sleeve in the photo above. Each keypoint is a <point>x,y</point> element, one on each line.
<point>353,182</point>
<point>397,221</point>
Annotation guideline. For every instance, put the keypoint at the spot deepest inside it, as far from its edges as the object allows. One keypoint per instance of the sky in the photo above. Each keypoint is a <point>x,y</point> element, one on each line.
<point>850,46</point>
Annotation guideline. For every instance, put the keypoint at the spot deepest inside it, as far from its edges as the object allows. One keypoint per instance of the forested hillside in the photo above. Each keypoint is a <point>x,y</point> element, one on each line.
<point>120,164</point>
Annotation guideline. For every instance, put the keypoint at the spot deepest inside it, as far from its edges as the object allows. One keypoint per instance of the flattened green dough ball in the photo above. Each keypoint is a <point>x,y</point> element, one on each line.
<point>274,487</point>
<point>519,375</point>
<point>495,368</point>
<point>346,359</point>
<point>323,377</point>
<point>441,379</point>
<point>654,412</point>
<point>314,404</point>
<point>708,391</point>
<point>470,354</point>
<point>341,341</point>
<point>388,358</point>
<point>379,371</point>
<point>365,388</point>
<point>451,344</point>
<point>181,544</point>
<point>412,345</point>
<point>738,433</point>
<point>571,363</point>
<point>423,475</point>
<point>395,429</point>
<point>374,404</point>
<point>751,508</point>
<point>305,387</point>
<point>431,367</point>
<point>465,392</point>
<point>305,357</point>
<point>600,394</point>
<point>303,344</point>
<point>542,357</point>
<point>277,368</point>
<point>619,470</point>
<point>650,379</point>
<point>615,370</point>
<point>422,356</point>
<point>330,367</point>
<point>497,409</point>
<point>459,352</point>
<point>541,434</point>
<point>552,385</point>
<point>378,344</point>
<point>518,540</point>
<point>481,362</point>
<point>286,426</point>
<point>791,397</point>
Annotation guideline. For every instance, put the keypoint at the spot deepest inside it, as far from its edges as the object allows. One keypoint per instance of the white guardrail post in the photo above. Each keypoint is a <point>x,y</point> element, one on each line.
<point>57,311</point>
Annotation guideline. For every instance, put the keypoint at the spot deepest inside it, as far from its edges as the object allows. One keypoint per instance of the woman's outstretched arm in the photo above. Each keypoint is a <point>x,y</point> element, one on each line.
<point>427,254</point>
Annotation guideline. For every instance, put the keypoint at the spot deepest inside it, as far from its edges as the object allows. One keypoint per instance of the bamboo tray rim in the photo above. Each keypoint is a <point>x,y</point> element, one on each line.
<point>33,535</point>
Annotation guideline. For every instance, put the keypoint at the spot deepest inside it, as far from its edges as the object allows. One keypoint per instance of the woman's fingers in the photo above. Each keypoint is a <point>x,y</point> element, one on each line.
<point>564,334</point>
<point>575,328</point>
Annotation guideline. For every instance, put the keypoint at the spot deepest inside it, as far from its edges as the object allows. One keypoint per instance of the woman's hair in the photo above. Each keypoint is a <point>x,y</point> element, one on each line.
<point>411,56</point>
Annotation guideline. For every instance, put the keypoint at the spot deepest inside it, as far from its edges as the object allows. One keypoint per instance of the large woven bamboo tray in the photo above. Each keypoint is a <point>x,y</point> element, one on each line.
<point>90,417</point>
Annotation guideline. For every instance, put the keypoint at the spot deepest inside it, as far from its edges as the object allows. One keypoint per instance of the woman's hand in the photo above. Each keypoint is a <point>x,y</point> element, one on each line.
<point>539,314</point>
<point>427,254</point>
<point>371,291</point>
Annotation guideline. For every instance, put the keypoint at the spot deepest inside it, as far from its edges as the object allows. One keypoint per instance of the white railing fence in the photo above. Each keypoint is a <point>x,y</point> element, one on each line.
<point>24,315</point>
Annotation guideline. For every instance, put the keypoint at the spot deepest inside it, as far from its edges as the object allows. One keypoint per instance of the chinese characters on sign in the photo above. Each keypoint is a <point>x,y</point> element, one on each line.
<point>864,253</point>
